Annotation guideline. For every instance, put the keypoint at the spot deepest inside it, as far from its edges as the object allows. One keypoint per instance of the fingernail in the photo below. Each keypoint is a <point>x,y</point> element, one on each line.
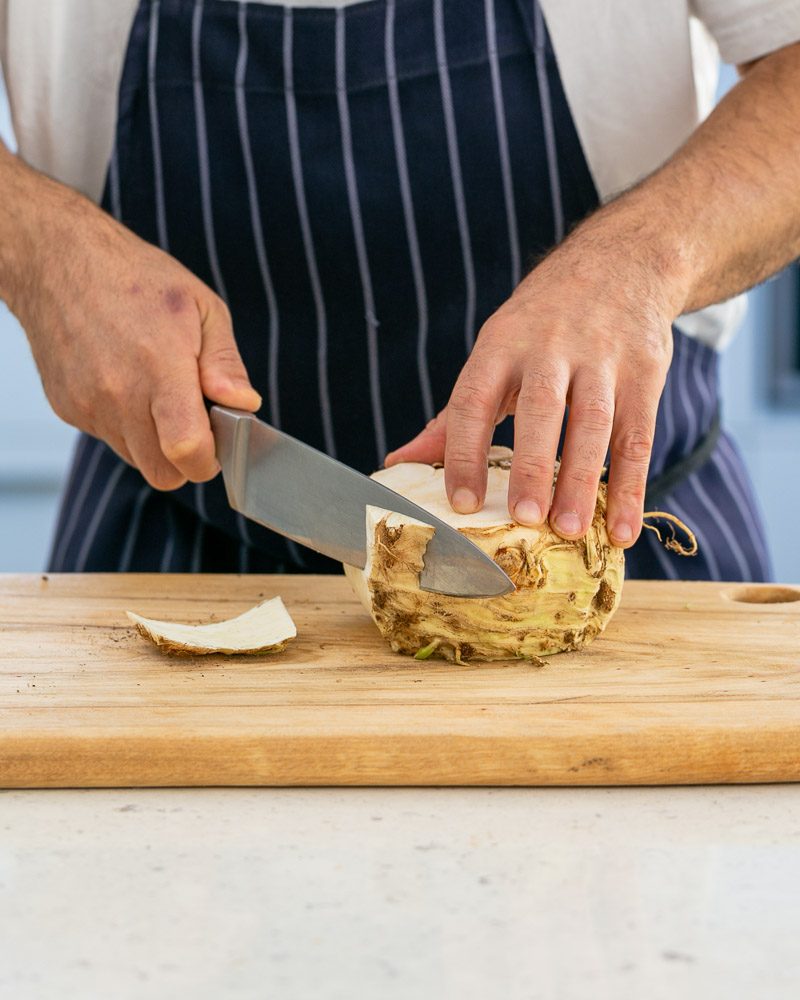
<point>528,512</point>
<point>622,533</point>
<point>568,523</point>
<point>464,501</point>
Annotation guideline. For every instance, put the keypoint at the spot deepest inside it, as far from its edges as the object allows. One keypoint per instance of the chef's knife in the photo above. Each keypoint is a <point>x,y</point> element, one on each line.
<point>301,493</point>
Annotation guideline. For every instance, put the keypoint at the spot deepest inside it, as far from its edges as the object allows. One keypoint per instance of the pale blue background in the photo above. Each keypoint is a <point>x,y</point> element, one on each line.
<point>35,446</point>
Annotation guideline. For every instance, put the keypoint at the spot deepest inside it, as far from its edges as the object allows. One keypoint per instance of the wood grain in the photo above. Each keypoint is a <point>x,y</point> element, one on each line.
<point>686,686</point>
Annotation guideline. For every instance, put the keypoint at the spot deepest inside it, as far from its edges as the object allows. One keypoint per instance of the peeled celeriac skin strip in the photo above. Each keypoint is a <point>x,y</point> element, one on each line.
<point>266,628</point>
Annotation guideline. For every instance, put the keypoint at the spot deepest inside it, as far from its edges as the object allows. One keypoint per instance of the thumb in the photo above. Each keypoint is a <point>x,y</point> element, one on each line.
<point>427,446</point>
<point>222,373</point>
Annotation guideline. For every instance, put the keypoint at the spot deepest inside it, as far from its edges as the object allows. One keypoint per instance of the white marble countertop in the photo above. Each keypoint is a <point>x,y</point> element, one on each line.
<point>517,894</point>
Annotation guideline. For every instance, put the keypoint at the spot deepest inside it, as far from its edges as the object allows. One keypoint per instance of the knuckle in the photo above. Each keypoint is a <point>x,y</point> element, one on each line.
<point>223,355</point>
<point>543,380</point>
<point>582,476</point>
<point>629,494</point>
<point>532,467</point>
<point>539,403</point>
<point>492,327</point>
<point>150,352</point>
<point>495,333</point>
<point>109,386</point>
<point>633,445</point>
<point>459,458</point>
<point>652,364</point>
<point>215,309</point>
<point>590,453</point>
<point>472,396</point>
<point>222,310</point>
<point>658,343</point>
<point>594,413</point>
<point>184,449</point>
<point>163,479</point>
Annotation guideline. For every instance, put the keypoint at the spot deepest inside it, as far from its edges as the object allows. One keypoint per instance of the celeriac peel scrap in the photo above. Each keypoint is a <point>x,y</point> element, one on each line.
<point>266,628</point>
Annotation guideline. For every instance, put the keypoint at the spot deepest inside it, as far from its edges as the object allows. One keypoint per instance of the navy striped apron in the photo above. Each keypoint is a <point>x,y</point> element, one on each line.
<point>363,186</point>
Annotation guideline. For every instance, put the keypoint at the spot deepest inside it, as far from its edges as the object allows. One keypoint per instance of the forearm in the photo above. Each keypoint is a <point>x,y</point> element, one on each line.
<point>37,216</point>
<point>724,212</point>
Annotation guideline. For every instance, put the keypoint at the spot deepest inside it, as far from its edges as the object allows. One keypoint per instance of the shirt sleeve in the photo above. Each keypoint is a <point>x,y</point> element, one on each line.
<point>748,29</point>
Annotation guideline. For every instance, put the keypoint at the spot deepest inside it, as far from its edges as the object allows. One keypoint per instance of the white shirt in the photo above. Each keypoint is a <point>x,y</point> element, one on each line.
<point>639,76</point>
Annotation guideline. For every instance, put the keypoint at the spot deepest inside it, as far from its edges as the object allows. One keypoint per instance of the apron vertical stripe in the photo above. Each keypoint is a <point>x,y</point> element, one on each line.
<point>196,562</point>
<point>502,143</point>
<point>244,559</point>
<point>701,380</point>
<point>113,184</point>
<point>97,516</point>
<point>255,219</point>
<point>455,172</point>
<point>750,511</point>
<point>158,173</point>
<point>243,529</point>
<point>358,234</point>
<point>76,476</point>
<point>133,528</point>
<point>202,152</point>
<point>734,463</point>
<point>254,204</point>
<point>308,242</point>
<point>668,416</point>
<point>204,173</point>
<point>720,522</point>
<point>200,501</point>
<point>743,509</point>
<point>408,214</point>
<point>547,123</point>
<point>166,557</point>
<point>686,403</point>
<point>80,499</point>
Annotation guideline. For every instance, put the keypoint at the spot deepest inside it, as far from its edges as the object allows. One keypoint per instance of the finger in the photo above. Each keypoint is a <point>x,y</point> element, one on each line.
<point>118,446</point>
<point>591,416</point>
<point>222,373</point>
<point>537,427</point>
<point>427,446</point>
<point>471,417</point>
<point>182,424</point>
<point>142,442</point>
<point>631,447</point>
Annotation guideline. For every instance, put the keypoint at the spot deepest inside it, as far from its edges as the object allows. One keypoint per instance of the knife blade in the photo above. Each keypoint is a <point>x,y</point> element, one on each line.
<point>290,487</point>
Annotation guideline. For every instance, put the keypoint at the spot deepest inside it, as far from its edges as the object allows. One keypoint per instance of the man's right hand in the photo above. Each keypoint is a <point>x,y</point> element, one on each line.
<point>127,341</point>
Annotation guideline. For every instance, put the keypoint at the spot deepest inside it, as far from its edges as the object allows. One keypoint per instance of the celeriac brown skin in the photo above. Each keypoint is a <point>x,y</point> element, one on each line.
<point>566,591</point>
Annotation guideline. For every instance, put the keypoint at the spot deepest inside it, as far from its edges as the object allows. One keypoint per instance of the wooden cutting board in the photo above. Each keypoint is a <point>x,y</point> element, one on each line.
<point>688,685</point>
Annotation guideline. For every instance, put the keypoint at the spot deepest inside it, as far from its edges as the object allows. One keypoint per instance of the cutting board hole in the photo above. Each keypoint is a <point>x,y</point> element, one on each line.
<point>763,595</point>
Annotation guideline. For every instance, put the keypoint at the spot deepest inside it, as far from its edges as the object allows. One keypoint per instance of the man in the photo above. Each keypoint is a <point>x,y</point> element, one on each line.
<point>322,208</point>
